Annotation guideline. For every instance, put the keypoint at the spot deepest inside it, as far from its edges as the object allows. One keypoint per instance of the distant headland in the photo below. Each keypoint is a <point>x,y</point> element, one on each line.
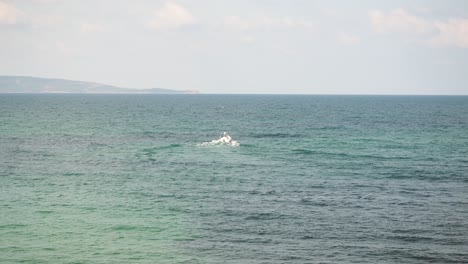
<point>26,84</point>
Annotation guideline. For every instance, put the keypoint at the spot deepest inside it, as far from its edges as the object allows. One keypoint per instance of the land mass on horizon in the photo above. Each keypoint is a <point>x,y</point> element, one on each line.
<point>27,84</point>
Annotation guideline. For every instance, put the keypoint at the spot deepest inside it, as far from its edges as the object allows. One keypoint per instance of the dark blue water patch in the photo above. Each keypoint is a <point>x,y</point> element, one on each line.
<point>412,174</point>
<point>314,202</point>
<point>68,174</point>
<point>150,134</point>
<point>13,226</point>
<point>423,256</point>
<point>44,211</point>
<point>139,228</point>
<point>152,152</point>
<point>266,216</point>
<point>159,148</point>
<point>329,128</point>
<point>342,155</point>
<point>276,135</point>
<point>410,238</point>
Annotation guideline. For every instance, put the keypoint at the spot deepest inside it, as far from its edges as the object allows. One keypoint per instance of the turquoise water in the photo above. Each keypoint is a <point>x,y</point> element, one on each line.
<point>316,179</point>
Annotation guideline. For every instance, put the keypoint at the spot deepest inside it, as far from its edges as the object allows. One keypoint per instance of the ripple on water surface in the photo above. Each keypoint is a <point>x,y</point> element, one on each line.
<point>316,179</point>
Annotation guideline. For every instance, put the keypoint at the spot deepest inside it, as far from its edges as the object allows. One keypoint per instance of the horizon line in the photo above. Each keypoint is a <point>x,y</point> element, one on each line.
<point>201,94</point>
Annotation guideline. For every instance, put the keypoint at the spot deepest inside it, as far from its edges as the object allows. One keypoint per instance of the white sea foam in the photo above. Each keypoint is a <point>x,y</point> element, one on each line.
<point>222,141</point>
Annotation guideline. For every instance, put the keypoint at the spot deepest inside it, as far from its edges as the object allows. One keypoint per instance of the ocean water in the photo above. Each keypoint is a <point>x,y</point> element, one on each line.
<point>316,179</point>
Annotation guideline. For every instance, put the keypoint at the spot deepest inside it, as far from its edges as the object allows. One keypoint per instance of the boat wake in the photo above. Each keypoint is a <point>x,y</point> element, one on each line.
<point>224,140</point>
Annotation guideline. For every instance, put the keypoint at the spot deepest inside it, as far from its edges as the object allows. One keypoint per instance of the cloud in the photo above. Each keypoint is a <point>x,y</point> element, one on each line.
<point>43,21</point>
<point>348,39</point>
<point>398,20</point>
<point>266,23</point>
<point>45,1</point>
<point>171,16</point>
<point>63,48</point>
<point>9,15</point>
<point>247,39</point>
<point>452,33</point>
<point>90,28</point>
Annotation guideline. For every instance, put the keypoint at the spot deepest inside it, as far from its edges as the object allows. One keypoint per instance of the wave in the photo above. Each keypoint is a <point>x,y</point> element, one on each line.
<point>73,174</point>
<point>135,228</point>
<point>324,153</point>
<point>276,135</point>
<point>12,226</point>
<point>312,202</point>
<point>154,150</point>
<point>266,216</point>
<point>149,153</point>
<point>329,128</point>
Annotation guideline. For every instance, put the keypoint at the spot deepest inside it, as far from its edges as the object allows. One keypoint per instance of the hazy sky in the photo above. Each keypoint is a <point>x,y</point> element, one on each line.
<point>242,46</point>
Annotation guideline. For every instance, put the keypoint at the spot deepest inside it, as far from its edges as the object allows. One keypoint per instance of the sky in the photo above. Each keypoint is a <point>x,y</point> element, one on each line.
<point>242,46</point>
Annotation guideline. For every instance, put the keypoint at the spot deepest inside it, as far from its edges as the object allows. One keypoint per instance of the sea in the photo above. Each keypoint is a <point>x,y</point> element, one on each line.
<point>314,179</point>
